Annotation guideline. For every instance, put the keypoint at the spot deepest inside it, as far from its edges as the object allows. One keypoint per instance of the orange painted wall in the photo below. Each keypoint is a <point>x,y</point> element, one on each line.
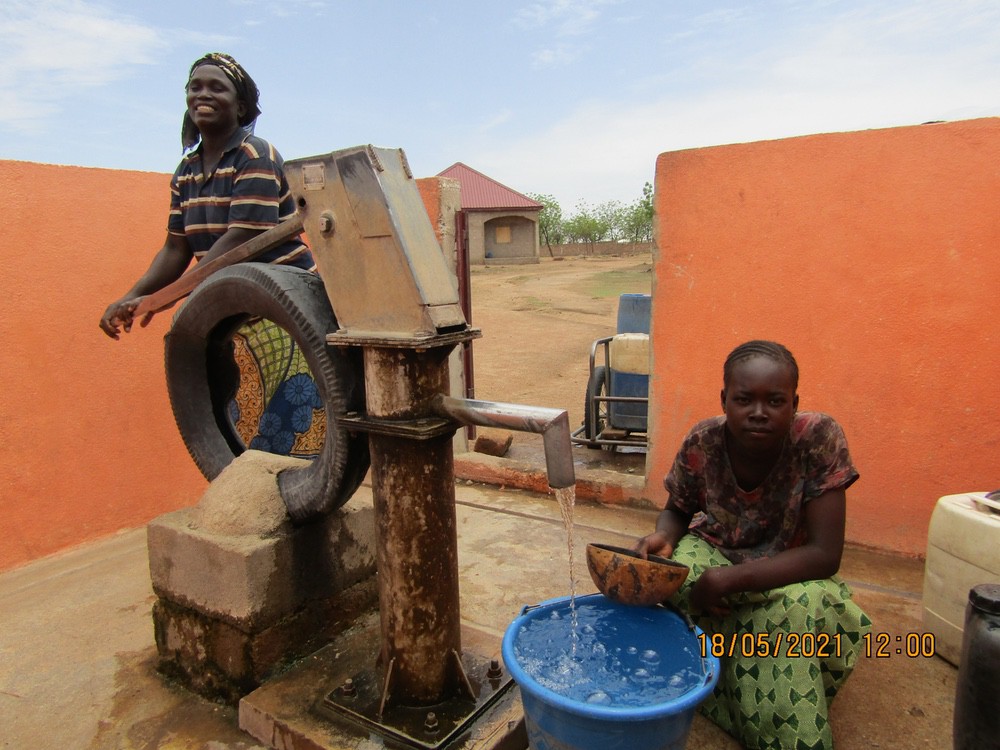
<point>872,255</point>
<point>430,194</point>
<point>88,441</point>
<point>875,257</point>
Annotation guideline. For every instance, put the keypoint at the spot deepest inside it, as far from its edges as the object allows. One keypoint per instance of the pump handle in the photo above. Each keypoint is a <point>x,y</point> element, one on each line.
<point>255,246</point>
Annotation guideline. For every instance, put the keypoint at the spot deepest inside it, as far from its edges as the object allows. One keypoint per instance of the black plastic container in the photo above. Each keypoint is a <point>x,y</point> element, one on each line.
<point>977,695</point>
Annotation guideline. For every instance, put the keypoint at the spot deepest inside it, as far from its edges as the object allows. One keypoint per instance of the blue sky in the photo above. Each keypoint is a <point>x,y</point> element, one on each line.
<point>573,98</point>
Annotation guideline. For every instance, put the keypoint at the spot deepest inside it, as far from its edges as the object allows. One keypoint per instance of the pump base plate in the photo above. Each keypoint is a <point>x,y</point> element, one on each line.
<point>408,724</point>
<point>292,711</point>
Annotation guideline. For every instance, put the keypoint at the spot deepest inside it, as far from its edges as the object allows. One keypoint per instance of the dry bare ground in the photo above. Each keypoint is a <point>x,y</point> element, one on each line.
<point>539,321</point>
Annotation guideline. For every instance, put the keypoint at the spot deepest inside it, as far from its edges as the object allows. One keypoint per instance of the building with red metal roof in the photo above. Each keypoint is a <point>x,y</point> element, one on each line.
<point>501,224</point>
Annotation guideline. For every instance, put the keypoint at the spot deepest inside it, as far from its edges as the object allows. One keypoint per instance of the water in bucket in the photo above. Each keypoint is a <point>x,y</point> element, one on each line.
<point>617,660</point>
<point>634,681</point>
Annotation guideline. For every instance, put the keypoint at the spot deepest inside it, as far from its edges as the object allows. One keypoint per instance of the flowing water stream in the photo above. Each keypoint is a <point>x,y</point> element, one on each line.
<point>630,658</point>
<point>566,498</point>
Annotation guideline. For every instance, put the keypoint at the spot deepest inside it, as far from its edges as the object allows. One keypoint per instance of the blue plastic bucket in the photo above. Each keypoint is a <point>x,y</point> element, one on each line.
<point>620,713</point>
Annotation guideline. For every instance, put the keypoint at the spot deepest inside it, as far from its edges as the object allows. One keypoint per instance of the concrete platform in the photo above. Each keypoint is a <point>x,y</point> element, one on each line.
<point>77,653</point>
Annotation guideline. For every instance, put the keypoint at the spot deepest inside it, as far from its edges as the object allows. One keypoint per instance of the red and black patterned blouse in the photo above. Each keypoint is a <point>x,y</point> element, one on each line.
<point>746,525</point>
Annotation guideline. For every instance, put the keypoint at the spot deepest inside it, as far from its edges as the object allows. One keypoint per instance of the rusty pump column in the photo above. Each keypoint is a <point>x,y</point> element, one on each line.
<point>392,294</point>
<point>414,490</point>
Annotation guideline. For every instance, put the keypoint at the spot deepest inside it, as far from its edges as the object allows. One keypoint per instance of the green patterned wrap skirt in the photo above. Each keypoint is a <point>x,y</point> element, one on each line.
<point>784,653</point>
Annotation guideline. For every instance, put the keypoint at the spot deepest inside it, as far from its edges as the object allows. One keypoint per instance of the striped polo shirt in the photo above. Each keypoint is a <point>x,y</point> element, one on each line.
<point>247,190</point>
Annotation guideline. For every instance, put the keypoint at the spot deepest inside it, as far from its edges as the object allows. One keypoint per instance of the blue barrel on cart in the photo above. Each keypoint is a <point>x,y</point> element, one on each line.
<point>634,312</point>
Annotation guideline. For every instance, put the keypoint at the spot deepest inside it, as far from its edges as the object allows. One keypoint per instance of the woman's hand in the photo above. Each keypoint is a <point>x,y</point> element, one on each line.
<point>122,313</point>
<point>166,267</point>
<point>119,313</point>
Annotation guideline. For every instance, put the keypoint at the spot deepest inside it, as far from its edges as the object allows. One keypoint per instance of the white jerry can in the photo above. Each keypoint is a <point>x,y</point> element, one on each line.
<point>963,551</point>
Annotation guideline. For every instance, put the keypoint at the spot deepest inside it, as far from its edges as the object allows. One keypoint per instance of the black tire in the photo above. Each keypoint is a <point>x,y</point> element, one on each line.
<point>595,413</point>
<point>200,377</point>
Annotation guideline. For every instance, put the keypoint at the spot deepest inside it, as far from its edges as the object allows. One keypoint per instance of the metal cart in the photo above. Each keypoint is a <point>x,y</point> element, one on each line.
<point>617,398</point>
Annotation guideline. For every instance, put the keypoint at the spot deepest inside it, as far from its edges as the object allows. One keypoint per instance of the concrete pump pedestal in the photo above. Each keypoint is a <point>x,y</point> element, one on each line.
<point>241,592</point>
<point>287,712</point>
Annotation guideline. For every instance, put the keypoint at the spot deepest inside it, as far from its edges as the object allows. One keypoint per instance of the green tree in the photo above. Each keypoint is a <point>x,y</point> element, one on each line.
<point>638,217</point>
<point>550,220</point>
<point>608,221</point>
<point>585,225</point>
<point>611,215</point>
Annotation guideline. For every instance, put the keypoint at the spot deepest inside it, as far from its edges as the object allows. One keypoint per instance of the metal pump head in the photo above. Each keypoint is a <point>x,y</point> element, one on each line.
<point>374,245</point>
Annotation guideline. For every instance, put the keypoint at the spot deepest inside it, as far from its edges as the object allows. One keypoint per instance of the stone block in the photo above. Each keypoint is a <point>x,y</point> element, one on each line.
<point>242,591</point>
<point>493,442</point>
<point>220,661</point>
<point>252,582</point>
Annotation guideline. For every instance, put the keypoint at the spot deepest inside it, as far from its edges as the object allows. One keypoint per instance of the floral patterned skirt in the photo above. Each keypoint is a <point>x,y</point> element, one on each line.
<point>277,407</point>
<point>784,654</point>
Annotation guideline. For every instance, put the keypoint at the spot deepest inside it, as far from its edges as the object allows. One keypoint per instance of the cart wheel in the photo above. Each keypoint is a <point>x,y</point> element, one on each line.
<point>595,413</point>
<point>202,376</point>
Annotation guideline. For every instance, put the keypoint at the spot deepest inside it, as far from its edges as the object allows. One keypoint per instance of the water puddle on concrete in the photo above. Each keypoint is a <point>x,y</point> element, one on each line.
<point>150,713</point>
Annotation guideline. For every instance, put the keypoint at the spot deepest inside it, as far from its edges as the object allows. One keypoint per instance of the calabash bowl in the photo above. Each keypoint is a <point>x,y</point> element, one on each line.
<point>624,577</point>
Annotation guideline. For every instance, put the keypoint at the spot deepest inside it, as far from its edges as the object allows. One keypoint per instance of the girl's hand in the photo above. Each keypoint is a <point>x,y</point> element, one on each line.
<point>656,543</point>
<point>709,593</point>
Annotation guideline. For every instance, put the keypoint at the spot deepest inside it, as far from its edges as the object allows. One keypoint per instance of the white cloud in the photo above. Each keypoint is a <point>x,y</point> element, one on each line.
<point>284,9</point>
<point>53,48</point>
<point>563,19</point>
<point>560,54</point>
<point>863,71</point>
<point>496,120</point>
<point>570,17</point>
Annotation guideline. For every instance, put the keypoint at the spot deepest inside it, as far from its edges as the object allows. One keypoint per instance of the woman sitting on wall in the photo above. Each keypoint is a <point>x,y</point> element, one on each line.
<point>756,508</point>
<point>229,187</point>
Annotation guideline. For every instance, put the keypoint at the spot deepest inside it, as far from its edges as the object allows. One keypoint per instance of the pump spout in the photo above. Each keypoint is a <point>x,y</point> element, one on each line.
<point>551,424</point>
